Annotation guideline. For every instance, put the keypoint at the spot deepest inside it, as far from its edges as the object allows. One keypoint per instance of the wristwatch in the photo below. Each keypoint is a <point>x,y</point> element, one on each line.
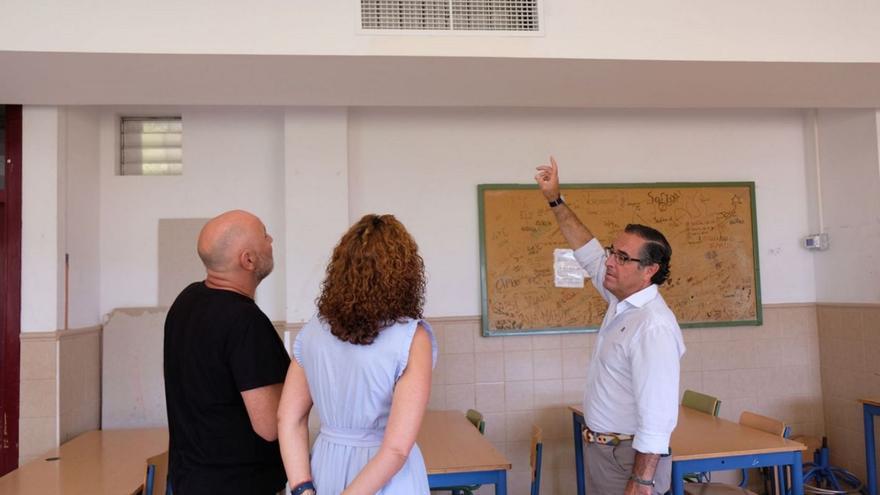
<point>556,202</point>
<point>304,488</point>
<point>640,481</point>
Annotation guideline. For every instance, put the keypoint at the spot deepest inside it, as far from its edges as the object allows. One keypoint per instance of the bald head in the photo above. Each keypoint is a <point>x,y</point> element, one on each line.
<point>225,237</point>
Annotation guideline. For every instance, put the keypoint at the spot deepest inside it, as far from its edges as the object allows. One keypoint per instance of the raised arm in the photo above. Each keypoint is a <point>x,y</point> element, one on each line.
<point>407,409</point>
<point>293,425</point>
<point>576,233</point>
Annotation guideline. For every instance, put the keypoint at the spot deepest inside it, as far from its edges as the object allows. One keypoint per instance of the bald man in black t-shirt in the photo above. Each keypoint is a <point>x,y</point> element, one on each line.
<point>224,368</point>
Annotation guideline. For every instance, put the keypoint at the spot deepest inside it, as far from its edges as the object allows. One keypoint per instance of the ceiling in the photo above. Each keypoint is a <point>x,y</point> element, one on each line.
<point>279,80</point>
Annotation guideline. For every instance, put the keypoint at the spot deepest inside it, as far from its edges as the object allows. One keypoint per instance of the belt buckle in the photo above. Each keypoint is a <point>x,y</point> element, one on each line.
<point>590,436</point>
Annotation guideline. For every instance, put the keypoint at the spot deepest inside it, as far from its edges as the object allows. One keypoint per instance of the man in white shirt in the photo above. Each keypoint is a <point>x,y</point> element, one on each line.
<point>631,396</point>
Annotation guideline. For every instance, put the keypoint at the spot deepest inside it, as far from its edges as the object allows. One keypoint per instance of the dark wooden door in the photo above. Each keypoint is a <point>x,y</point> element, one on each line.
<point>10,283</point>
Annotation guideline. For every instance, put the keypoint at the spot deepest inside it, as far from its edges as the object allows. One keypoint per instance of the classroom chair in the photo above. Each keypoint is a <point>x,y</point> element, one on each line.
<point>156,479</point>
<point>705,404</point>
<point>535,459</point>
<point>751,420</point>
<point>701,402</point>
<point>476,419</point>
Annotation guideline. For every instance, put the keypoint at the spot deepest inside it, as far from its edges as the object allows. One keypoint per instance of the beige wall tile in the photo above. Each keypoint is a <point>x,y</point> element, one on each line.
<point>578,340</point>
<point>489,344</point>
<point>518,343</point>
<point>548,393</point>
<point>489,367</point>
<point>543,342</point>
<point>575,362</point>
<point>38,360</point>
<point>36,436</point>
<point>519,426</point>
<point>462,397</point>
<point>547,364</point>
<point>459,338</point>
<point>38,399</point>
<point>518,365</point>
<point>437,401</point>
<point>459,368</point>
<point>496,426</point>
<point>490,397</point>
<point>573,390</point>
<point>519,396</point>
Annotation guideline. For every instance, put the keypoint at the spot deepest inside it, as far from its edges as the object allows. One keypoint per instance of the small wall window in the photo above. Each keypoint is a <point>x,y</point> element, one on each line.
<point>151,146</point>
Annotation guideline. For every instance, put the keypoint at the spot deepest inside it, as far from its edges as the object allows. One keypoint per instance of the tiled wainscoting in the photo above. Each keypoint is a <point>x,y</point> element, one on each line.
<point>515,381</point>
<point>849,336</point>
<point>60,388</point>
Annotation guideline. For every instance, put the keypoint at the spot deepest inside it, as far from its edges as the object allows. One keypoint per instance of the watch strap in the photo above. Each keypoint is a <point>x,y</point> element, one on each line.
<point>640,481</point>
<point>556,202</point>
<point>302,487</point>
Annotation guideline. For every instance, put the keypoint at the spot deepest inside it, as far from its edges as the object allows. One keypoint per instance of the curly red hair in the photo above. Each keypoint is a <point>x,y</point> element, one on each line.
<point>375,277</point>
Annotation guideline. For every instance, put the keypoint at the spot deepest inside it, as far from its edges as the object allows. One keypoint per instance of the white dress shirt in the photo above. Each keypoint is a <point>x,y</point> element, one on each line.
<point>632,379</point>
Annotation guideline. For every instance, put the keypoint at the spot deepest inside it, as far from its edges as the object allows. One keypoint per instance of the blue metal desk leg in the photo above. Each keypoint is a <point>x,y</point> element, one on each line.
<point>797,475</point>
<point>578,454</point>
<point>677,480</point>
<point>870,461</point>
<point>501,484</point>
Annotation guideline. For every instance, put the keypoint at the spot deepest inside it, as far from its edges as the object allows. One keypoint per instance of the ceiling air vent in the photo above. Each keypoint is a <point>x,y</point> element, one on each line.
<point>450,15</point>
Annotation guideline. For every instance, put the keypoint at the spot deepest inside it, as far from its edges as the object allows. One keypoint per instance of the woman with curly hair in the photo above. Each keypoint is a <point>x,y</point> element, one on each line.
<point>365,360</point>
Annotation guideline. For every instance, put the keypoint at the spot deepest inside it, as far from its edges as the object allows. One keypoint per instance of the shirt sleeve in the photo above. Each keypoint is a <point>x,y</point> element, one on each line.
<point>592,257</point>
<point>257,357</point>
<point>655,358</point>
<point>403,355</point>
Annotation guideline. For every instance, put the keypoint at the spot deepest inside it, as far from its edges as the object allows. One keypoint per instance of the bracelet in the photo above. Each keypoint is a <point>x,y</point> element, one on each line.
<point>302,487</point>
<point>640,481</point>
<point>556,202</point>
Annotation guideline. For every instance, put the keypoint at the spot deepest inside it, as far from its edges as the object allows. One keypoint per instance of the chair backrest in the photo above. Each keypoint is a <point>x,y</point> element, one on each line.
<point>763,423</point>
<point>156,480</point>
<point>476,419</point>
<point>701,402</point>
<point>535,458</point>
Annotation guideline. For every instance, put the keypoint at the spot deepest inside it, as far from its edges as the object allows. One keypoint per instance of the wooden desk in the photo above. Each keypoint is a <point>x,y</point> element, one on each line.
<point>108,462</point>
<point>114,461</point>
<point>457,454</point>
<point>870,408</point>
<point>703,443</point>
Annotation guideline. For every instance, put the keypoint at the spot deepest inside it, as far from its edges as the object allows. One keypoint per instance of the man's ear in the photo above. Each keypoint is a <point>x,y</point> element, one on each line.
<point>650,270</point>
<point>247,260</point>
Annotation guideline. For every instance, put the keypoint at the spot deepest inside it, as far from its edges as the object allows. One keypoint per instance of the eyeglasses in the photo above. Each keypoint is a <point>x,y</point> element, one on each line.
<point>619,256</point>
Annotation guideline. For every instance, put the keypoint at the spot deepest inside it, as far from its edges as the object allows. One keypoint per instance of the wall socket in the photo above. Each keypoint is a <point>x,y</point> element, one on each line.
<point>817,242</point>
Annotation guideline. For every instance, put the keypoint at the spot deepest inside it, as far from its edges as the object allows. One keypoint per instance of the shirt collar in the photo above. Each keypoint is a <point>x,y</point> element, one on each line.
<point>638,299</point>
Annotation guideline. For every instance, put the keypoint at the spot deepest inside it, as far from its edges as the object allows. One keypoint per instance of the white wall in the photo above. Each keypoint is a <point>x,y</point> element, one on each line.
<point>40,288</point>
<point>81,229</point>
<point>423,165</point>
<point>316,199</point>
<point>850,185</point>
<point>784,30</point>
<point>233,158</point>
<point>310,172</point>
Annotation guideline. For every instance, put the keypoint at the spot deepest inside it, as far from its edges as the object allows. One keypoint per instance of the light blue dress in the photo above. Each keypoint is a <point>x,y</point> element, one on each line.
<point>352,386</point>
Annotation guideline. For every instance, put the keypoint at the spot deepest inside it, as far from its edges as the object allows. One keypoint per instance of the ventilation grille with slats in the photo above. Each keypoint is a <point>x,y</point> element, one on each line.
<point>450,15</point>
<point>151,146</point>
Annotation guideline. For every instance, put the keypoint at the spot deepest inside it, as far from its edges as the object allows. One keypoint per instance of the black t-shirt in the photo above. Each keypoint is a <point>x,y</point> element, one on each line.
<point>217,344</point>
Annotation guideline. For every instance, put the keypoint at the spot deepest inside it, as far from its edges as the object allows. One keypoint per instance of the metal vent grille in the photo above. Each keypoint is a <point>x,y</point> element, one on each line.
<point>151,146</point>
<point>450,15</point>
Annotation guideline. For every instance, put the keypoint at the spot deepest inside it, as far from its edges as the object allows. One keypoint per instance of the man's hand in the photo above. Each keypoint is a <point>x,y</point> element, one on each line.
<point>633,488</point>
<point>548,180</point>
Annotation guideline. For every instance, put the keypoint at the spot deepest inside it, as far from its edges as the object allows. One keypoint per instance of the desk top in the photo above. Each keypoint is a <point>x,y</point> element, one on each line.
<point>701,436</point>
<point>450,443</point>
<point>871,401</point>
<point>98,462</point>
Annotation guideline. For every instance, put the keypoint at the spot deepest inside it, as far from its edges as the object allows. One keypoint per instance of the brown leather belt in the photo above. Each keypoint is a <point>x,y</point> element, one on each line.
<point>591,436</point>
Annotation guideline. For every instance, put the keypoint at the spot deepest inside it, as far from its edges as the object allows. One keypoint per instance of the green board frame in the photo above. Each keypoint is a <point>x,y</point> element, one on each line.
<point>484,292</point>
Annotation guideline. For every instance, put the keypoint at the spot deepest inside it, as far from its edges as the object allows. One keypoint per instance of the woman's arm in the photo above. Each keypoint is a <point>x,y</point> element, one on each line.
<point>407,409</point>
<point>293,425</point>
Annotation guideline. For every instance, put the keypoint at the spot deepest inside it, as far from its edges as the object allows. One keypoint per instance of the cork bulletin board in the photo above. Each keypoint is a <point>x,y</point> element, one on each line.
<point>714,279</point>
